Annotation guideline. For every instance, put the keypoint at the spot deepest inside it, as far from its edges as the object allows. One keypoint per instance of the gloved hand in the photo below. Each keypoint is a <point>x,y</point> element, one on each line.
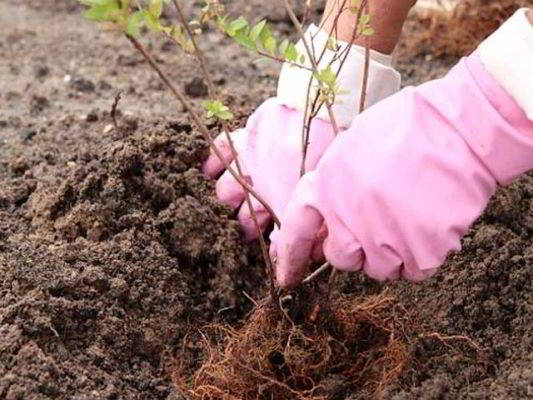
<point>399,188</point>
<point>270,147</point>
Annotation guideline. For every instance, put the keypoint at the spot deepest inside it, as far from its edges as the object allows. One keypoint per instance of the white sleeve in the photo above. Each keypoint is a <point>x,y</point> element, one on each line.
<point>508,56</point>
<point>383,80</point>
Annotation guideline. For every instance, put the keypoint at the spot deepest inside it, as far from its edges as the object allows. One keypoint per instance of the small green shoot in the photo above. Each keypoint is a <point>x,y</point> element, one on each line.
<point>328,85</point>
<point>364,28</point>
<point>216,109</point>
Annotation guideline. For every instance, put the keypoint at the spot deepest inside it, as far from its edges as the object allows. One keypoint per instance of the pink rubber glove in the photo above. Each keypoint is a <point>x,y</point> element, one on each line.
<point>270,153</point>
<point>270,147</point>
<point>399,189</point>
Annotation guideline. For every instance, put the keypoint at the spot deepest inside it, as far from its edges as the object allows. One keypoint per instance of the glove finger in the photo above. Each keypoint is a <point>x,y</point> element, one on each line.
<point>296,238</point>
<point>246,221</point>
<point>213,166</point>
<point>318,249</point>
<point>343,251</point>
<point>228,190</point>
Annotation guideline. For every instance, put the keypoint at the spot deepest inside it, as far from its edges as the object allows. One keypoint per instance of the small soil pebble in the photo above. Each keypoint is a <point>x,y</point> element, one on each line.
<point>83,85</point>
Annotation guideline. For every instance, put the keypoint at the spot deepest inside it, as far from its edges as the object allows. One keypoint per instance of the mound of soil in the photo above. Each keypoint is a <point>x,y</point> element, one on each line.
<point>112,248</point>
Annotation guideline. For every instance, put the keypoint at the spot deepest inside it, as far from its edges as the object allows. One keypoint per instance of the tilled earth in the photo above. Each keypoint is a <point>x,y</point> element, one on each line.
<point>113,247</point>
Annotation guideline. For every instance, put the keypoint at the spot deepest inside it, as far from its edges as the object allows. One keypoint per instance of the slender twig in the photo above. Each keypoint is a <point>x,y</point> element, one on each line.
<point>355,34</point>
<point>250,298</point>
<point>317,272</point>
<point>307,11</point>
<point>326,17</point>
<point>203,66</point>
<point>201,126</point>
<point>114,108</point>
<point>281,60</point>
<point>331,280</point>
<point>367,68</point>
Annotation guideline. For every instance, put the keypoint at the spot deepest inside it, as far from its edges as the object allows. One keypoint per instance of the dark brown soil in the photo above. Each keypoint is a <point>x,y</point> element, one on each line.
<point>113,248</point>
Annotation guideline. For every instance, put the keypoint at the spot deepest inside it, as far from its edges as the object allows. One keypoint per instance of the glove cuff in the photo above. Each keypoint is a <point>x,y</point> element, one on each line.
<point>495,127</point>
<point>383,79</point>
<point>508,56</point>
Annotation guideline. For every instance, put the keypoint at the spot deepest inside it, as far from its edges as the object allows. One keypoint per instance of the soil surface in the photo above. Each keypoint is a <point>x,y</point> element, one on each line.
<point>113,248</point>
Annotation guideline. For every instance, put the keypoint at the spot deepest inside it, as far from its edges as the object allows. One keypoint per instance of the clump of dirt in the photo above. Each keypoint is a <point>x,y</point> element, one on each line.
<point>111,250</point>
<point>458,32</point>
<point>433,40</point>
<point>318,350</point>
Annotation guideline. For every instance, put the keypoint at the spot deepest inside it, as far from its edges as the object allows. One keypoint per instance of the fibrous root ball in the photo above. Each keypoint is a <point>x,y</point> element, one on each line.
<point>312,349</point>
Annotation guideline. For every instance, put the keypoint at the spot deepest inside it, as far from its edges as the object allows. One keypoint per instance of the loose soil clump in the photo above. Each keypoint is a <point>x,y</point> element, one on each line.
<point>105,252</point>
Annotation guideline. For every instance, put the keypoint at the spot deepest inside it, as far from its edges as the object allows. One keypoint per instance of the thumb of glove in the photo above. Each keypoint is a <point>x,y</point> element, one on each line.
<point>292,245</point>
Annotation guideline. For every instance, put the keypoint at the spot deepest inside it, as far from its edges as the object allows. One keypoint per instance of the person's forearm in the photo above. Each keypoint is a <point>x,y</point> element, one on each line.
<point>386,18</point>
<point>531,15</point>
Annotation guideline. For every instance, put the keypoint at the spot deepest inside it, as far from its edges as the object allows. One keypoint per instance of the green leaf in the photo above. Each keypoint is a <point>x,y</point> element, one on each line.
<point>265,35</point>
<point>257,29</point>
<point>156,8</point>
<point>364,28</point>
<point>237,25</point>
<point>365,19</point>
<point>332,44</point>
<point>270,45</point>
<point>290,54</point>
<point>225,115</point>
<point>222,23</point>
<point>284,46</point>
<point>154,24</point>
<point>215,108</point>
<point>134,23</point>
<point>368,31</point>
<point>98,13</point>
<point>245,41</point>
<point>327,77</point>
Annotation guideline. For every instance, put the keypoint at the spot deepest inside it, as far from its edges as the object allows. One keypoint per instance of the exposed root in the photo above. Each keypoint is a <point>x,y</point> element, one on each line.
<point>445,339</point>
<point>359,342</point>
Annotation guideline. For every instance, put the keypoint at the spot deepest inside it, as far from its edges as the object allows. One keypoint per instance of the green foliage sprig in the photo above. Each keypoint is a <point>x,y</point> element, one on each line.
<point>215,108</point>
<point>116,12</point>
<point>259,39</point>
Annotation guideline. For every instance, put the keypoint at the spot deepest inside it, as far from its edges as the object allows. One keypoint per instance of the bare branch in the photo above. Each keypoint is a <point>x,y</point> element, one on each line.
<point>317,272</point>
<point>307,11</point>
<point>367,67</point>
<point>114,108</point>
<point>280,60</point>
